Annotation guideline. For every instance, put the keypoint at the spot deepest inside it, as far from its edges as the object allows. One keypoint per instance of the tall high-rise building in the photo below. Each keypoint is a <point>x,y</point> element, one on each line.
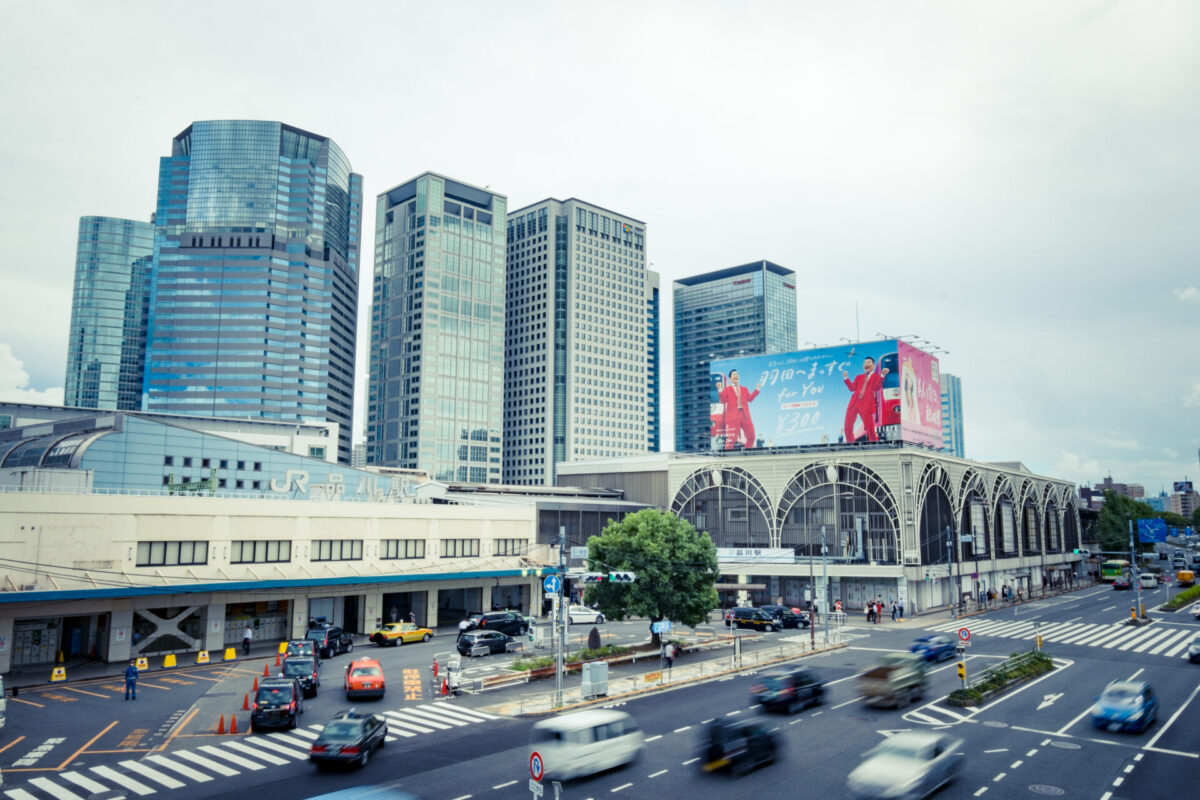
<point>436,395</point>
<point>654,362</point>
<point>952,415</point>
<point>254,294</point>
<point>106,348</point>
<point>744,310</point>
<point>581,362</point>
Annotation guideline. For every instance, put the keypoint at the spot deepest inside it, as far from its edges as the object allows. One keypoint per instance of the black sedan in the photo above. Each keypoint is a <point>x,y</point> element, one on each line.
<point>349,739</point>
<point>483,642</point>
<point>736,746</point>
<point>786,617</point>
<point>305,671</point>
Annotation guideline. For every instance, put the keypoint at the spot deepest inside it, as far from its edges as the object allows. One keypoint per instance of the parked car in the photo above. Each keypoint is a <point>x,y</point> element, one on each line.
<point>786,617</point>
<point>509,622</point>
<point>395,633</point>
<point>1122,582</point>
<point>494,641</point>
<point>584,614</point>
<point>331,640</point>
<point>910,764</point>
<point>1125,706</point>
<point>789,688</point>
<point>934,647</point>
<point>305,648</point>
<point>753,618</point>
<point>364,678</point>
<point>349,738</point>
<point>586,742</point>
<point>277,704</point>
<point>305,671</point>
<point>736,746</point>
<point>895,679</point>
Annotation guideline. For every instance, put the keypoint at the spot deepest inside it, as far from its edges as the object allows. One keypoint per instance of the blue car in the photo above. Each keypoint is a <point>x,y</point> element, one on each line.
<point>1125,706</point>
<point>934,648</point>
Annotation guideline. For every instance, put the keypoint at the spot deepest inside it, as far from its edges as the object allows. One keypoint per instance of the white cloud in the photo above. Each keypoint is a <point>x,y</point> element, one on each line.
<point>14,382</point>
<point>1193,399</point>
<point>1190,293</point>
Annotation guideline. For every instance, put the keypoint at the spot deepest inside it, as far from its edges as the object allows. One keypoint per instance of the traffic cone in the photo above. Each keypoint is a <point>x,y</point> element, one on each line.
<point>233,724</point>
<point>277,660</point>
<point>256,684</point>
<point>445,688</point>
<point>266,671</point>
<point>246,703</point>
<point>221,725</point>
<point>435,668</point>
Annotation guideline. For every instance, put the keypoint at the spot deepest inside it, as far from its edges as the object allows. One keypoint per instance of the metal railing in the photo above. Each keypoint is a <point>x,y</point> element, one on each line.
<point>1002,670</point>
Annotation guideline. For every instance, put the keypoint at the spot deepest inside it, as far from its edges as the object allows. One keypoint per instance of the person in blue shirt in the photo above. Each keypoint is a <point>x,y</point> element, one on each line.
<point>131,676</point>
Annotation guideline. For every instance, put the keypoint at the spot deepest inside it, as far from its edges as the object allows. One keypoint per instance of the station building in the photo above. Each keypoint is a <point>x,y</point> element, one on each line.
<point>898,521</point>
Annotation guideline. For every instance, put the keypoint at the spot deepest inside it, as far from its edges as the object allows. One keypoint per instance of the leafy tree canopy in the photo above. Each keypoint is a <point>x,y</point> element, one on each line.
<point>676,569</point>
<point>1113,521</point>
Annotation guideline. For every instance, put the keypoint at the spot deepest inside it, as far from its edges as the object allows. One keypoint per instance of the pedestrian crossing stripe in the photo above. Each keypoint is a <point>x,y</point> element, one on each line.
<point>1152,639</point>
<point>159,772</point>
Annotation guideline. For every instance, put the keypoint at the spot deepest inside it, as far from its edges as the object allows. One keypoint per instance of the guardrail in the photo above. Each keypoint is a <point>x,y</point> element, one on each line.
<point>1002,669</point>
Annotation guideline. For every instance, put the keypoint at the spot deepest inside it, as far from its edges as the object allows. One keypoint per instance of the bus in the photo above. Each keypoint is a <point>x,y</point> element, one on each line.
<point>1113,569</point>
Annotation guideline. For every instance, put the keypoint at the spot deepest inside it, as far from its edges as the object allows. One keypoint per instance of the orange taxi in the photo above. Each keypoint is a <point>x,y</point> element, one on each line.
<point>395,633</point>
<point>364,678</point>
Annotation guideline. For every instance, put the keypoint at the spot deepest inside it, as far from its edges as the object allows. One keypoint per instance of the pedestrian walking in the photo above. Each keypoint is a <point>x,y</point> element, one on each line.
<point>247,635</point>
<point>895,610</point>
<point>463,624</point>
<point>131,676</point>
<point>870,612</point>
<point>878,610</point>
<point>901,607</point>
<point>412,617</point>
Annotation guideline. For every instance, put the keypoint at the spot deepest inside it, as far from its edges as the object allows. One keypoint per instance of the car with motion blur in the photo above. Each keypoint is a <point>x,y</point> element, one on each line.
<point>348,739</point>
<point>906,766</point>
<point>934,647</point>
<point>509,622</point>
<point>305,671</point>
<point>396,633</point>
<point>738,747</point>
<point>786,617</point>
<point>1122,583</point>
<point>895,679</point>
<point>1194,646</point>
<point>1148,580</point>
<point>331,640</point>
<point>364,678</point>
<point>305,648</point>
<point>585,742</point>
<point>788,688</point>
<point>476,642</point>
<point>277,704</point>
<point>1125,706</point>
<point>753,618</point>
<point>585,615</point>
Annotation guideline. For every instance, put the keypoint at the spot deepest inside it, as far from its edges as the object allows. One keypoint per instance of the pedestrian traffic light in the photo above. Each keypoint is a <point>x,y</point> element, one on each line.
<point>962,671</point>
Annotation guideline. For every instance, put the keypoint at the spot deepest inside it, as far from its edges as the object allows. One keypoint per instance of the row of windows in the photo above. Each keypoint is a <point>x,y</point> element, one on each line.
<point>159,554</point>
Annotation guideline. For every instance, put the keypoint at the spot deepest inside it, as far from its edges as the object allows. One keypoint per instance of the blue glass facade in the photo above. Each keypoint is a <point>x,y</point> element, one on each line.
<point>107,341</point>
<point>952,415</point>
<point>744,310</point>
<point>254,295</point>
<point>436,392</point>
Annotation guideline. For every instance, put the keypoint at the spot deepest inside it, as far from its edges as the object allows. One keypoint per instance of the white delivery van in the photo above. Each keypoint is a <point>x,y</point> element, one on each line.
<point>1148,580</point>
<point>586,742</point>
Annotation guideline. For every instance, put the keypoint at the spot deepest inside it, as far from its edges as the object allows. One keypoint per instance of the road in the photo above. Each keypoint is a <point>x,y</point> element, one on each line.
<point>1035,742</point>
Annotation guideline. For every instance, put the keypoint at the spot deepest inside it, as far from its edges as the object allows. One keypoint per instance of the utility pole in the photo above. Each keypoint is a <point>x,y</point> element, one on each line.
<point>560,630</point>
<point>1137,583</point>
<point>825,580</point>
<point>955,584</point>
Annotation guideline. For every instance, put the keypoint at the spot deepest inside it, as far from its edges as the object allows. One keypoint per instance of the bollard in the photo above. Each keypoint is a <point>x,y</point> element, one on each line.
<point>435,668</point>
<point>202,657</point>
<point>230,653</point>
<point>169,661</point>
<point>1132,613</point>
<point>143,663</point>
<point>58,674</point>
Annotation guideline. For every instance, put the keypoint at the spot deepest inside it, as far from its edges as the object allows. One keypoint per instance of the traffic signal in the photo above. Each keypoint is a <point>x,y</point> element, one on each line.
<point>962,671</point>
<point>621,577</point>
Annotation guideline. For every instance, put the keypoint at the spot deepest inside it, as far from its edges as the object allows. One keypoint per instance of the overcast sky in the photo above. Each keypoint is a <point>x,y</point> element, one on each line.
<point>1018,183</point>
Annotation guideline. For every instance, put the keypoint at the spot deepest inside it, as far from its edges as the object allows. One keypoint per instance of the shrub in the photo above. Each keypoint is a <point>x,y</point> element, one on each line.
<point>1183,598</point>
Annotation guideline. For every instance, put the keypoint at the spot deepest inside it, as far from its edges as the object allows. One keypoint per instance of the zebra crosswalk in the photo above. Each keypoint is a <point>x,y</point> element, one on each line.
<point>164,771</point>
<point>1154,640</point>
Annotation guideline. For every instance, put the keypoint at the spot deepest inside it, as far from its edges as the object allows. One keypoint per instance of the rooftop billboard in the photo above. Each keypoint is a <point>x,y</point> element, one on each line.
<point>867,392</point>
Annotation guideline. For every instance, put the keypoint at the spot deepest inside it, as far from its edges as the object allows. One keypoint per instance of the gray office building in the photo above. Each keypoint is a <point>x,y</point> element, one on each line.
<point>581,342</point>
<point>106,346</point>
<point>254,292</point>
<point>436,395</point>
<point>744,310</point>
<point>952,415</point>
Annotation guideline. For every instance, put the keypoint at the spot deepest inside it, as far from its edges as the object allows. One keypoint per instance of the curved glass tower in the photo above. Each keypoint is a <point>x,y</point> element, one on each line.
<point>107,344</point>
<point>254,295</point>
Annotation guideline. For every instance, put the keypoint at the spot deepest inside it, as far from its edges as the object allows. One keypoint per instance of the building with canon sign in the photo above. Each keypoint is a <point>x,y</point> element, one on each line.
<point>743,310</point>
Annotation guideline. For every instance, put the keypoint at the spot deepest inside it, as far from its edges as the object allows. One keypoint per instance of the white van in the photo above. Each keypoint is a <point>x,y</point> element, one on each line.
<point>1148,580</point>
<point>586,742</point>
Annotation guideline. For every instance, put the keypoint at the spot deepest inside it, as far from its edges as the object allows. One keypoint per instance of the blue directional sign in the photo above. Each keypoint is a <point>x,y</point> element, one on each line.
<point>552,584</point>
<point>1152,530</point>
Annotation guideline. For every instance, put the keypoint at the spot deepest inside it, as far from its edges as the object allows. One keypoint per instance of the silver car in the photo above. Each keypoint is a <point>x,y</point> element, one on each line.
<point>907,766</point>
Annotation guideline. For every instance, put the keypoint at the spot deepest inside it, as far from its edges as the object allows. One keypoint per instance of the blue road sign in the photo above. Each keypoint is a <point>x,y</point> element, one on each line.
<point>552,584</point>
<point>1152,530</point>
<point>663,626</point>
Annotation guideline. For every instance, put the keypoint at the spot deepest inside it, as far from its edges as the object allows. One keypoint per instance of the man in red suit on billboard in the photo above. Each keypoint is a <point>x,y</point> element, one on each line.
<point>862,399</point>
<point>737,399</point>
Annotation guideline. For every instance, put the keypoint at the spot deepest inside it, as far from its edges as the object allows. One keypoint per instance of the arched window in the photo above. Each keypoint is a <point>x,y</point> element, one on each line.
<point>728,503</point>
<point>853,506</point>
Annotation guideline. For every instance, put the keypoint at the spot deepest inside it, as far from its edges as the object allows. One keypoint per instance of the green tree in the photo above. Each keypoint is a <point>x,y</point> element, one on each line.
<point>1172,519</point>
<point>1196,518</point>
<point>1113,521</point>
<point>676,568</point>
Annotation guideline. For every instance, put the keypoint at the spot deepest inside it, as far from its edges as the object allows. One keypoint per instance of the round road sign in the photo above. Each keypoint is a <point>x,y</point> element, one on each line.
<point>535,765</point>
<point>964,634</point>
<point>551,584</point>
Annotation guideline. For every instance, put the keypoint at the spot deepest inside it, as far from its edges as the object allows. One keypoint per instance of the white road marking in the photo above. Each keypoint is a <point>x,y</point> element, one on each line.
<point>50,787</point>
<point>1174,717</point>
<point>653,738</point>
<point>999,777</point>
<point>619,788</point>
<point>207,763</point>
<point>848,702</point>
<point>254,751</point>
<point>265,744</point>
<point>690,761</point>
<point>84,781</point>
<point>152,774</point>
<point>1000,750</point>
<point>681,730</point>
<point>1016,764</point>
<point>981,791</point>
<point>183,770</point>
<point>504,785</point>
<point>20,794</point>
<point>124,781</point>
<point>656,774</point>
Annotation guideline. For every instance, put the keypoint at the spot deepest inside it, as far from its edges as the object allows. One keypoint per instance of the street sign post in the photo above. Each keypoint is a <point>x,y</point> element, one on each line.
<point>536,788</point>
<point>663,626</point>
<point>551,584</point>
<point>536,767</point>
<point>964,634</point>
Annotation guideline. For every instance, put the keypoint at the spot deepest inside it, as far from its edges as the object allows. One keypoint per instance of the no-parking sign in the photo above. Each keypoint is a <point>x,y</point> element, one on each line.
<point>964,634</point>
<point>536,766</point>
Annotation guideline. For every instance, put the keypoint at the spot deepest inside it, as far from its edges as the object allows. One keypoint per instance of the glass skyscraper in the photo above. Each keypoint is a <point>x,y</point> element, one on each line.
<point>952,415</point>
<point>254,295</point>
<point>436,396</point>
<point>107,344</point>
<point>581,344</point>
<point>744,310</point>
